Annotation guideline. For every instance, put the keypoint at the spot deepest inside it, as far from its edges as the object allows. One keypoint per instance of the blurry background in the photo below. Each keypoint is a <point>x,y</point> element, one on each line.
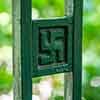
<point>51,87</point>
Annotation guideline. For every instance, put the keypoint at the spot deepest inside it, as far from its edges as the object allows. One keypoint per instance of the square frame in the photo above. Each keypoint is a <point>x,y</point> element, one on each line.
<point>66,23</point>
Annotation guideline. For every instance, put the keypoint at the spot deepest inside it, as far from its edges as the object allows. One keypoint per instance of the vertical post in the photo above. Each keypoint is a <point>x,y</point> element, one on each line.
<point>22,34</point>
<point>77,49</point>
<point>68,77</point>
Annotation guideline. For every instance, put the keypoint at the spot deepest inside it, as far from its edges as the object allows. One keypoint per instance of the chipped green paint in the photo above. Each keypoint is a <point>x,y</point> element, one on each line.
<point>51,39</point>
<point>45,47</point>
<point>22,27</point>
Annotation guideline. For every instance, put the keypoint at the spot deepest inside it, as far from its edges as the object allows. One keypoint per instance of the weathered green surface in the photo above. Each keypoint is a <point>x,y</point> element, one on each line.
<point>22,26</point>
<point>68,77</point>
<point>52,40</point>
<point>45,47</point>
<point>51,46</point>
<point>17,51</point>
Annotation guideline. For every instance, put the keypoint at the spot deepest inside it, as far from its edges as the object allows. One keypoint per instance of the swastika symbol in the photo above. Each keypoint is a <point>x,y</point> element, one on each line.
<point>51,46</point>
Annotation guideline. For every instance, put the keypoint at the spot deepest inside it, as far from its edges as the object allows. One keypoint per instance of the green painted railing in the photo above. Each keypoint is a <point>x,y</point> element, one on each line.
<point>47,46</point>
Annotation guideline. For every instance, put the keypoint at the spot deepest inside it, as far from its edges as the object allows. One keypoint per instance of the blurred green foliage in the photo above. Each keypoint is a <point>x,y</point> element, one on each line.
<point>91,38</point>
<point>49,8</point>
<point>5,23</point>
<point>5,80</point>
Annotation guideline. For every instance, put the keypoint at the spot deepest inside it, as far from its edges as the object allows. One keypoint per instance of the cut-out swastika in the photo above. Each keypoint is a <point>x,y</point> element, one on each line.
<point>51,46</point>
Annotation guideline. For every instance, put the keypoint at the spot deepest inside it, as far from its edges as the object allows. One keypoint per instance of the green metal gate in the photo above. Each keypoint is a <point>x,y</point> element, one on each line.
<point>47,46</point>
